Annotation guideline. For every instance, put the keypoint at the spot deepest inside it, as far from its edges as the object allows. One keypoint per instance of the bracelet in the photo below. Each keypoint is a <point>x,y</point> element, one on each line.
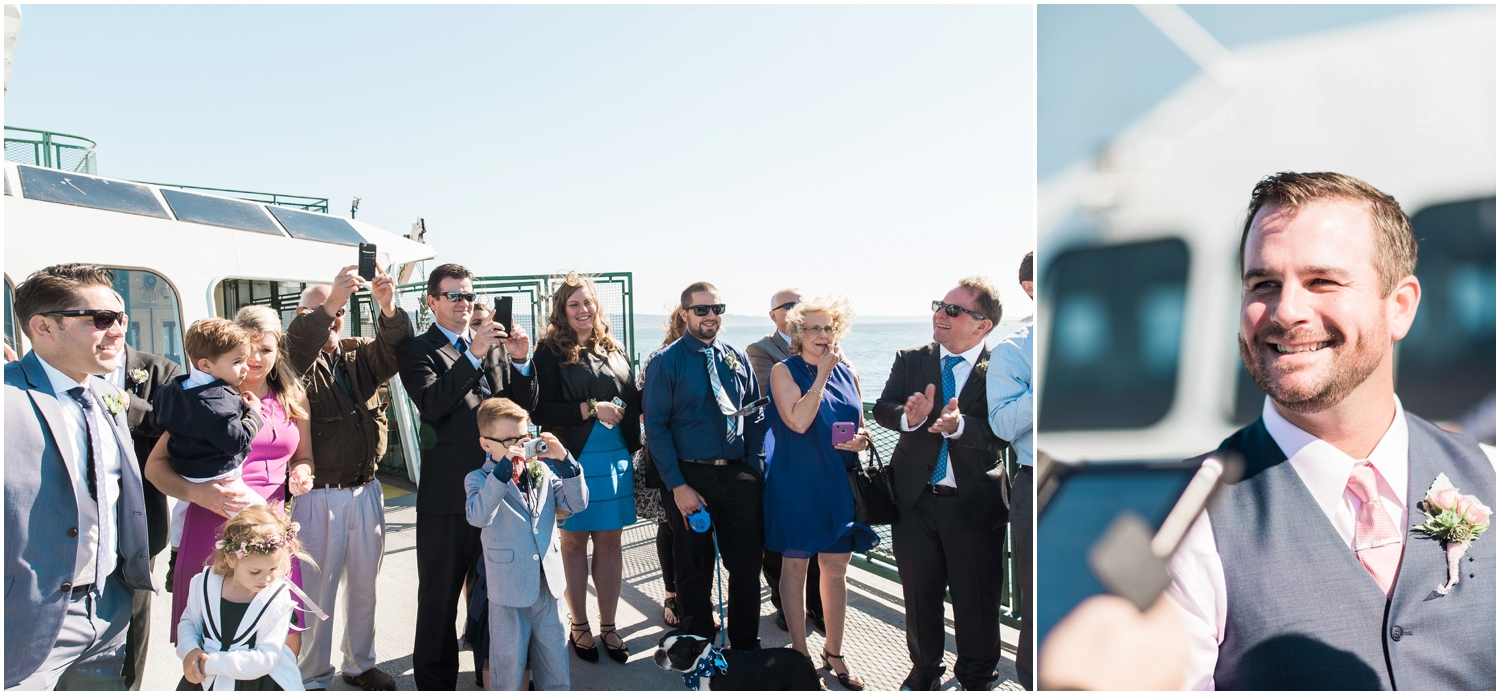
<point>593,408</point>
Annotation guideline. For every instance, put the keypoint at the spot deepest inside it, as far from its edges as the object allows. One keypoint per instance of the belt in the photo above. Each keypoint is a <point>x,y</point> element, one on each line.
<point>82,588</point>
<point>941,490</point>
<point>714,462</point>
<point>345,486</point>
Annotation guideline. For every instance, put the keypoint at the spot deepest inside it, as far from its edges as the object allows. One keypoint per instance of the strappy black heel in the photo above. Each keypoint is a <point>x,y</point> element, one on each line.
<point>622,654</point>
<point>589,653</point>
<point>844,678</point>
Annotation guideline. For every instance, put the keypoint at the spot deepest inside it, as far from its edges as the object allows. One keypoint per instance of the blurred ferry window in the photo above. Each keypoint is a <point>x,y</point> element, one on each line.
<point>1116,333</point>
<point>311,225</point>
<point>1446,364</point>
<point>220,212</point>
<point>155,313</point>
<point>12,331</point>
<point>71,188</point>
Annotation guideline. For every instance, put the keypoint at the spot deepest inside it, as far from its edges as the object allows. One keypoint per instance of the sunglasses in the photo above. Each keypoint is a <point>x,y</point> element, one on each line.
<point>508,442</point>
<point>458,296</point>
<point>103,318</point>
<point>788,306</point>
<point>703,309</point>
<point>953,310</point>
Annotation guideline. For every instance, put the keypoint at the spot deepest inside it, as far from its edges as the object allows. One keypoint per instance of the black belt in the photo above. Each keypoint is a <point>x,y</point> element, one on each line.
<point>82,588</point>
<point>941,490</point>
<point>345,486</point>
<point>714,462</point>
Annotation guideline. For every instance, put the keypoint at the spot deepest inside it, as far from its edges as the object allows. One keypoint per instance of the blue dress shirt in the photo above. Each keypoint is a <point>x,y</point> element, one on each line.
<point>683,420</point>
<point>523,367</point>
<point>1008,387</point>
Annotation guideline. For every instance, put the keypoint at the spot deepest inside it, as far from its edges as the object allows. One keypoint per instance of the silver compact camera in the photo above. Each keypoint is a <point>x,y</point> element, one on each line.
<point>534,449</point>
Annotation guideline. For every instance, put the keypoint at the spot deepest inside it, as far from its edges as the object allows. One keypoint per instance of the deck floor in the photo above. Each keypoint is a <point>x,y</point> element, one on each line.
<point>874,643</point>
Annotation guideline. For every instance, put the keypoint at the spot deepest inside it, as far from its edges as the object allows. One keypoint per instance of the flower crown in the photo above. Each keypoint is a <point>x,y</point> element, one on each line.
<point>262,546</point>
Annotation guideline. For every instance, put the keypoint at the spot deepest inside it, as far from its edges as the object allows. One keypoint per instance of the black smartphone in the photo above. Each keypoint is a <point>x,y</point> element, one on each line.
<point>367,261</point>
<point>503,311</point>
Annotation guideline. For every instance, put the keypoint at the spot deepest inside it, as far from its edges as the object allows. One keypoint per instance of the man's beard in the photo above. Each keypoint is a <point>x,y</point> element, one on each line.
<point>1352,364</point>
<point>701,334</point>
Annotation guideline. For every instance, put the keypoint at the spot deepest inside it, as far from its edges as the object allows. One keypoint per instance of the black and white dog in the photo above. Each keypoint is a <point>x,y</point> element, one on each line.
<point>698,660</point>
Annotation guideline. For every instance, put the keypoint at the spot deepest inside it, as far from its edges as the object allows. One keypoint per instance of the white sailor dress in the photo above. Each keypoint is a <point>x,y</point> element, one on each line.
<point>245,643</point>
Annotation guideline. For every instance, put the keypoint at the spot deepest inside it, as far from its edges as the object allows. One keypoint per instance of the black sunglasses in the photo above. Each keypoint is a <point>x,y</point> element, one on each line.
<point>953,310</point>
<point>458,296</point>
<point>788,306</point>
<point>103,318</point>
<point>703,309</point>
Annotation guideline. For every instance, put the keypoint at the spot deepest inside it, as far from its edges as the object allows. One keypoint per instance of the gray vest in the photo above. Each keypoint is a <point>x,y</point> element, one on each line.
<point>1304,614</point>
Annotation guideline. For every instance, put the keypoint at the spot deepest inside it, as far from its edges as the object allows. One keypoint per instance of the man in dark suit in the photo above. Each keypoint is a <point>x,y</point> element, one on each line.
<point>448,371</point>
<point>764,354</point>
<point>951,489</point>
<point>76,546</point>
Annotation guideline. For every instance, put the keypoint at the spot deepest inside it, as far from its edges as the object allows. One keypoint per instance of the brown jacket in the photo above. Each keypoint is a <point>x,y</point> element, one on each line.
<point>348,428</point>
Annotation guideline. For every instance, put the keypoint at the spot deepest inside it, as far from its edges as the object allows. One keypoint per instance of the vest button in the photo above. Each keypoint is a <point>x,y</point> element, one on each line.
<point>1396,633</point>
<point>65,588</point>
<point>72,533</point>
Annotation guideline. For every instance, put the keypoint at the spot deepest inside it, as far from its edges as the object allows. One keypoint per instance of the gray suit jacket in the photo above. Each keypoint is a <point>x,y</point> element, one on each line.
<point>40,512</point>
<point>517,546</point>
<point>764,354</point>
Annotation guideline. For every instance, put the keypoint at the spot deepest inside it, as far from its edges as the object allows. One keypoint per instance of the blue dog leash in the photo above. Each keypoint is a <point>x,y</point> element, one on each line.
<point>712,663</point>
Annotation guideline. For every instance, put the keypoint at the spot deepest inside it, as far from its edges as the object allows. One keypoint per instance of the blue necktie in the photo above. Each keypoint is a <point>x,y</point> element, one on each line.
<point>725,407</point>
<point>950,390</point>
<point>484,381</point>
<point>97,491</point>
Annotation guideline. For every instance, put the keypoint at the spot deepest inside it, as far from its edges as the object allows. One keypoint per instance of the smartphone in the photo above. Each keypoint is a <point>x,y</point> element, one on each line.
<point>367,261</point>
<point>503,311</point>
<point>843,432</point>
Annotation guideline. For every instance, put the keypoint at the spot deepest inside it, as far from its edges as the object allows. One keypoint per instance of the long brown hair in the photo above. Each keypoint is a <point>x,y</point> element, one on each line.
<point>560,336</point>
<point>257,320</point>
<point>676,326</point>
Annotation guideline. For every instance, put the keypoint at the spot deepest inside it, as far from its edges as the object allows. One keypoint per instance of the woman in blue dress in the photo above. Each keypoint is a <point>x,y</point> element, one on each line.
<point>809,508</point>
<point>582,376</point>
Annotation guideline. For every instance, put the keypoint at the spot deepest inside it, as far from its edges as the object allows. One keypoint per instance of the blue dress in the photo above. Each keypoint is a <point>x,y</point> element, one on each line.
<point>809,508</point>
<point>611,483</point>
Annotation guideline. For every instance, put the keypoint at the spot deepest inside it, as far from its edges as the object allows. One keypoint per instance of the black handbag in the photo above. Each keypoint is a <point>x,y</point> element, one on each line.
<point>874,493</point>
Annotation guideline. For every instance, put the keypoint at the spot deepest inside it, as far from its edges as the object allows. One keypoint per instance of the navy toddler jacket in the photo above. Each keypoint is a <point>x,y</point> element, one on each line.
<point>211,428</point>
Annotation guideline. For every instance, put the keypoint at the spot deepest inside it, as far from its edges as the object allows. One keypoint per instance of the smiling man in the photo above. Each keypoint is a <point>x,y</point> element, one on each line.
<point>1308,573</point>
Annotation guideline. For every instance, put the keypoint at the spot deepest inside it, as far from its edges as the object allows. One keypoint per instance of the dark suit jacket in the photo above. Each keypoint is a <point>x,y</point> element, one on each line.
<point>444,385</point>
<point>764,354</point>
<point>983,491</point>
<point>144,430</point>
<point>560,389</point>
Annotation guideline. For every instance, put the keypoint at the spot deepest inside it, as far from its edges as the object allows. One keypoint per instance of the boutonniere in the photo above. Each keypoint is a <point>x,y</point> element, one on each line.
<point>138,375</point>
<point>731,360</point>
<point>982,367</point>
<point>114,403</point>
<point>537,471</point>
<point>1453,518</point>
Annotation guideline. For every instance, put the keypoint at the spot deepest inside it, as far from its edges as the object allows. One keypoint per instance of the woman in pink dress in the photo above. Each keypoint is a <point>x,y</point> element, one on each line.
<point>280,459</point>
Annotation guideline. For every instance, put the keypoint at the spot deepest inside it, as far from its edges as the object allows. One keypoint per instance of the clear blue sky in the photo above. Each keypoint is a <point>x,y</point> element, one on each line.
<point>1101,67</point>
<point>881,152</point>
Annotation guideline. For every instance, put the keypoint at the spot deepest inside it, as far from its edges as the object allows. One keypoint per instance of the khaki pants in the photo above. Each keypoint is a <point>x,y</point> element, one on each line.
<point>343,531</point>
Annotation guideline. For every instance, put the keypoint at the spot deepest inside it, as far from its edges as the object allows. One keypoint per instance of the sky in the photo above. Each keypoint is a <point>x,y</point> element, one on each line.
<point>880,152</point>
<point>1101,67</point>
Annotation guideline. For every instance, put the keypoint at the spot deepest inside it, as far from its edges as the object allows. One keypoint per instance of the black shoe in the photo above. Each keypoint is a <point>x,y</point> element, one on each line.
<point>171,570</point>
<point>915,681</point>
<point>589,653</point>
<point>844,678</point>
<point>817,621</point>
<point>781,620</point>
<point>620,655</point>
<point>671,604</point>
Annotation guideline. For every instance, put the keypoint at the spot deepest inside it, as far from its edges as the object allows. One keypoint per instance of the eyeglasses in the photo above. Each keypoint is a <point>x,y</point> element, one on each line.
<point>103,318</point>
<point>703,309</point>
<point>786,306</point>
<point>815,330</point>
<point>508,442</point>
<point>953,310</point>
<point>458,296</point>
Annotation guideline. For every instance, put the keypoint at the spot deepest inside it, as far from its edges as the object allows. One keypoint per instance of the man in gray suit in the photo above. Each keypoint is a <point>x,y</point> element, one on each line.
<point>764,354</point>
<point>75,519</point>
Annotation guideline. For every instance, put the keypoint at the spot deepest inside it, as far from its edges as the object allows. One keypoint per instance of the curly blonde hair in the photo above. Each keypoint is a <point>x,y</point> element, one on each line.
<point>839,311</point>
<point>260,320</point>
<point>258,531</point>
<point>560,337</point>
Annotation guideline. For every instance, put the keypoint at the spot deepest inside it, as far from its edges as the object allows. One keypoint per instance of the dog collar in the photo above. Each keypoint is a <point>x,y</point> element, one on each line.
<point>711,664</point>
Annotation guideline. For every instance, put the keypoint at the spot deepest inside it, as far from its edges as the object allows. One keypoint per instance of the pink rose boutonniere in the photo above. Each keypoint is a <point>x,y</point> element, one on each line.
<point>1455,519</point>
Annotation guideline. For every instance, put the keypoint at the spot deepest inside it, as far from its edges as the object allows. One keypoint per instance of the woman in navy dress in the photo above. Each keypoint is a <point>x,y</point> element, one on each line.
<point>809,508</point>
<point>587,397</point>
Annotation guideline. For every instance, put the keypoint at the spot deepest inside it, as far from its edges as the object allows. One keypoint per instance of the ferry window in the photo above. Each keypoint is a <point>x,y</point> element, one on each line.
<point>155,313</point>
<point>12,331</point>
<point>220,212</point>
<point>309,225</point>
<point>1113,349</point>
<point>71,188</point>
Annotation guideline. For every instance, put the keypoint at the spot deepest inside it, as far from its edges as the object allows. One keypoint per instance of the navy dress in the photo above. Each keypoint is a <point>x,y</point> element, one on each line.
<point>809,508</point>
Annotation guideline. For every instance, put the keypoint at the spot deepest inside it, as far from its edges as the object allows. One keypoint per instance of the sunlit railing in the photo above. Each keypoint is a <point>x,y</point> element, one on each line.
<point>52,150</point>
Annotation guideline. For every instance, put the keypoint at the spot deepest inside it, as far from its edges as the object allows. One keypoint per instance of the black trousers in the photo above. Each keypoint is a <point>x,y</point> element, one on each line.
<point>937,549</point>
<point>732,494</point>
<point>812,596</point>
<point>138,637</point>
<point>1022,520</point>
<point>447,548</point>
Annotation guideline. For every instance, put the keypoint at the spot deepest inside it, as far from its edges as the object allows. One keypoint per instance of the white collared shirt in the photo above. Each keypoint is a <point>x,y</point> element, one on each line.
<point>785,337</point>
<point>523,368</point>
<point>197,378</point>
<point>1198,588</point>
<point>108,463</point>
<point>960,377</point>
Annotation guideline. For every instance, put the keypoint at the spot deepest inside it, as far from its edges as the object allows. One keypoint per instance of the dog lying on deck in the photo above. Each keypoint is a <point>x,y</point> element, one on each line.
<point>705,667</point>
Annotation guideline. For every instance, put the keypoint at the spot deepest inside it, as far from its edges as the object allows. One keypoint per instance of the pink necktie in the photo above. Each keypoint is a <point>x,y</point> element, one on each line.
<point>1377,542</point>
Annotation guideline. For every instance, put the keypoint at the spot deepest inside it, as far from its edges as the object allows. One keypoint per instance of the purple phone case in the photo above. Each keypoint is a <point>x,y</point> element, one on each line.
<point>844,432</point>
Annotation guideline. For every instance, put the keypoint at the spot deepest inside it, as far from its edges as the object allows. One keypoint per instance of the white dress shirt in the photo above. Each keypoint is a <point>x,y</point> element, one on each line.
<point>107,462</point>
<point>523,367</point>
<point>960,377</point>
<point>1198,587</point>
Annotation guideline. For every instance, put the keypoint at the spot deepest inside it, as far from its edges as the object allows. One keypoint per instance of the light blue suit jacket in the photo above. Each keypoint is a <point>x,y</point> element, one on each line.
<point>517,547</point>
<point>40,510</point>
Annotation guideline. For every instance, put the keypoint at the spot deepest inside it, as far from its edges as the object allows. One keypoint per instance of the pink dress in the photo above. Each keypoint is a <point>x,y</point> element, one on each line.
<point>265,471</point>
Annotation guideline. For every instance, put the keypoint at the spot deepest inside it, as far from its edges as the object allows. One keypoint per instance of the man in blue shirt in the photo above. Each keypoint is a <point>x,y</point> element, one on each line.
<point>708,449</point>
<point>1008,387</point>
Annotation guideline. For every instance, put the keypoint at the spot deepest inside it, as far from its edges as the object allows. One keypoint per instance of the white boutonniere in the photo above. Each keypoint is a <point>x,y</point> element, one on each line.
<point>1455,519</point>
<point>982,367</point>
<point>114,403</point>
<point>731,360</point>
<point>138,376</point>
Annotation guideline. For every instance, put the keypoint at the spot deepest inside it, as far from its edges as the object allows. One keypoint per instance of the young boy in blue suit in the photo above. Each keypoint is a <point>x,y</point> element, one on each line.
<point>515,502</point>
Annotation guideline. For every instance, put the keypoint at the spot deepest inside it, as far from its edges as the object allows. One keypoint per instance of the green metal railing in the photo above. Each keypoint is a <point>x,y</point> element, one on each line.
<point>52,150</point>
<point>297,202</point>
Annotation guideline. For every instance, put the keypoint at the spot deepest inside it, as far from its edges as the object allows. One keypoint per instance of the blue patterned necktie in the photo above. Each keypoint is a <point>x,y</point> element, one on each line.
<point>725,407</point>
<point>99,492</point>
<point>950,390</point>
<point>484,379</point>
